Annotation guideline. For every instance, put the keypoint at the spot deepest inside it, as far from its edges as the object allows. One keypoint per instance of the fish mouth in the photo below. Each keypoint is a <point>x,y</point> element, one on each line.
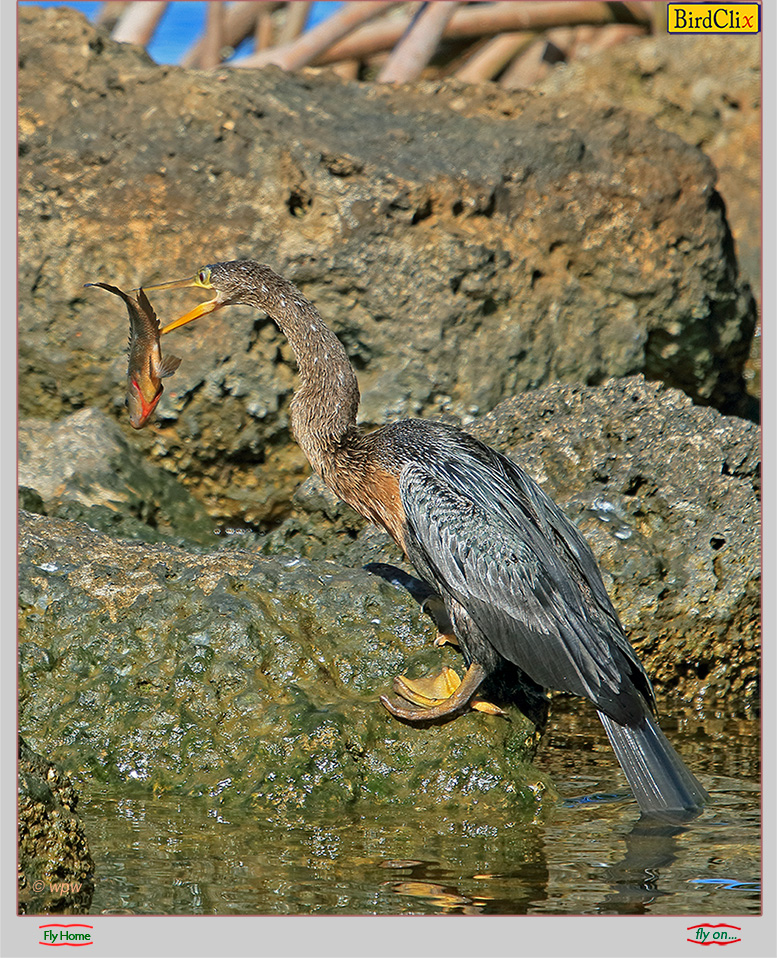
<point>201,310</point>
<point>139,408</point>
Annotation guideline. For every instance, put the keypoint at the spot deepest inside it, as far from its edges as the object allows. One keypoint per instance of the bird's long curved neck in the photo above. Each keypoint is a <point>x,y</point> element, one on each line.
<point>324,406</point>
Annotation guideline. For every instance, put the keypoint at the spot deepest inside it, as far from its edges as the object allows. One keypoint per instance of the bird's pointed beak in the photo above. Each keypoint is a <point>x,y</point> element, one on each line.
<point>195,313</point>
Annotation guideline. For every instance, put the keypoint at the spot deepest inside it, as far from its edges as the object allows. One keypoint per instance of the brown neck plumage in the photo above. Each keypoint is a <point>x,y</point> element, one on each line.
<point>324,407</point>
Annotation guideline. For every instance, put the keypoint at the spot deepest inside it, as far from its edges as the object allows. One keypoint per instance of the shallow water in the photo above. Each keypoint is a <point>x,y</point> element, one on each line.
<point>588,855</point>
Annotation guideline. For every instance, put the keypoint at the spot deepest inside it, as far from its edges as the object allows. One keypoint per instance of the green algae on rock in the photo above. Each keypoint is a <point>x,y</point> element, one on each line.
<point>231,673</point>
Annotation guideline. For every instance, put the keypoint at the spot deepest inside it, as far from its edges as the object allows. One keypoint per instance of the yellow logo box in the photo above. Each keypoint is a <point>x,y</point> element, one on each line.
<point>713,17</point>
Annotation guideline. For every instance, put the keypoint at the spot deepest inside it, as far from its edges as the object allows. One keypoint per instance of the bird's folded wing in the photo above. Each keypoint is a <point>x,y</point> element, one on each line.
<point>488,537</point>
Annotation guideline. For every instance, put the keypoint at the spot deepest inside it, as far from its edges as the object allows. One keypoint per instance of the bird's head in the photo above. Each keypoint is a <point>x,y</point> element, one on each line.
<point>227,280</point>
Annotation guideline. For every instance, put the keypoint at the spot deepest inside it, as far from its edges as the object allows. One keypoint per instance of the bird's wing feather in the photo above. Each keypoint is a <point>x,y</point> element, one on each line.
<point>489,538</point>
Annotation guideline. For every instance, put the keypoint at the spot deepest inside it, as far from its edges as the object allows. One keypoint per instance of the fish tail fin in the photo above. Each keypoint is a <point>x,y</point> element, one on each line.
<point>663,786</point>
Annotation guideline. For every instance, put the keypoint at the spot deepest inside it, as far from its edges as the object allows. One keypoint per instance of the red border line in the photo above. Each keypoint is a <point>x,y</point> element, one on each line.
<point>731,941</point>
<point>70,944</point>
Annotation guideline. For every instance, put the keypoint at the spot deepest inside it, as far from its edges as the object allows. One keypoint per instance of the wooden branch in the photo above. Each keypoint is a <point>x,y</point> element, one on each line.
<point>476,20</point>
<point>263,32</point>
<point>296,18</point>
<point>415,50</point>
<point>347,69</point>
<point>525,68</point>
<point>306,48</point>
<point>491,59</point>
<point>239,22</point>
<point>538,61</point>
<point>607,37</point>
<point>213,38</point>
<point>138,22</point>
<point>110,13</point>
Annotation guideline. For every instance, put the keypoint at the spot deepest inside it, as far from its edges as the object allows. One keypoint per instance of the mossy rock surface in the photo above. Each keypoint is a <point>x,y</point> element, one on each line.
<point>228,671</point>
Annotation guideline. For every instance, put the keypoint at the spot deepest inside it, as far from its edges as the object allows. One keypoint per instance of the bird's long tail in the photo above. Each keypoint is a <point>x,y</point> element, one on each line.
<point>663,786</point>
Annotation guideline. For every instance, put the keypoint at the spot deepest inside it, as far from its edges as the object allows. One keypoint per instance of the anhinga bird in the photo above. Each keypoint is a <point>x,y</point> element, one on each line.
<point>518,580</point>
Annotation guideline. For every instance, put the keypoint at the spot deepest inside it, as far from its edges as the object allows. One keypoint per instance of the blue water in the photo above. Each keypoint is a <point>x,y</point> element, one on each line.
<point>182,22</point>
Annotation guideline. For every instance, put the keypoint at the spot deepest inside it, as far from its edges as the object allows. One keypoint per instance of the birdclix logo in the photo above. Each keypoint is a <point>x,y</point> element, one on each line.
<point>713,18</point>
<point>57,935</point>
<point>707,934</point>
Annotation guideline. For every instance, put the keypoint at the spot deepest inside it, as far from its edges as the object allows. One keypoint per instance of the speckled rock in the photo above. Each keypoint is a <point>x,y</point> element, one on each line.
<point>56,871</point>
<point>668,495</point>
<point>463,250</point>
<point>230,674</point>
<point>666,492</point>
<point>84,467</point>
<point>706,89</point>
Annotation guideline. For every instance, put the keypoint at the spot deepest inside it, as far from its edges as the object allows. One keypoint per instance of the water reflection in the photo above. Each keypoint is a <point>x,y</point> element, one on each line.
<point>591,854</point>
<point>511,890</point>
<point>650,848</point>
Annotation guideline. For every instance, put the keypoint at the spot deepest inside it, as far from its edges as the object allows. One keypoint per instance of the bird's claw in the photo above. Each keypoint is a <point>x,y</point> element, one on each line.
<point>440,695</point>
<point>446,638</point>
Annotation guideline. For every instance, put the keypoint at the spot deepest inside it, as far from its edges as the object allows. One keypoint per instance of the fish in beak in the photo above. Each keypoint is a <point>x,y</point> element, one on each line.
<point>147,367</point>
<point>201,280</point>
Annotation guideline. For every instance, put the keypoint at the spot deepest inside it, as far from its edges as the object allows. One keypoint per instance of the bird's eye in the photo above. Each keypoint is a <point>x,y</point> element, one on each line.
<point>203,276</point>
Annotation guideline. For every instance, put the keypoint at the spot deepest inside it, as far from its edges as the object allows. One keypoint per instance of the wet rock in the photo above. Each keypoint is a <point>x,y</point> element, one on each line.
<point>56,871</point>
<point>228,674</point>
<point>232,673</point>
<point>572,242</point>
<point>83,467</point>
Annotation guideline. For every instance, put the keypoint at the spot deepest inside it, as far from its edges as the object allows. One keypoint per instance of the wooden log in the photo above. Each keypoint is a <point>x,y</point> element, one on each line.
<point>417,48</point>
<point>306,48</point>
<point>491,59</point>
<point>485,20</point>
<point>138,22</point>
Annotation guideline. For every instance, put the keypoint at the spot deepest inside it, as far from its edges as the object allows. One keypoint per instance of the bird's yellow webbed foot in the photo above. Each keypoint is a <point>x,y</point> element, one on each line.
<point>430,691</point>
<point>440,695</point>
